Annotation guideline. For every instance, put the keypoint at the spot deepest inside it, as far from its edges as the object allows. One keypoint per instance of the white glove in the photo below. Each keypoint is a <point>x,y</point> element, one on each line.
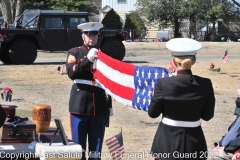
<point>92,54</point>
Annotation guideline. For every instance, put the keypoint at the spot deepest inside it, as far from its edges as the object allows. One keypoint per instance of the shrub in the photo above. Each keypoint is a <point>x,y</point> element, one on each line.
<point>112,20</point>
<point>135,22</point>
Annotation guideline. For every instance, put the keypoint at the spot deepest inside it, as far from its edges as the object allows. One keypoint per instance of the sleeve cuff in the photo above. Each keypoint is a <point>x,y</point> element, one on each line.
<point>237,151</point>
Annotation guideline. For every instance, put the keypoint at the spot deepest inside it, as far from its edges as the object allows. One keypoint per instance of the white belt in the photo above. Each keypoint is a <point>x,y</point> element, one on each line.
<point>88,82</point>
<point>180,123</point>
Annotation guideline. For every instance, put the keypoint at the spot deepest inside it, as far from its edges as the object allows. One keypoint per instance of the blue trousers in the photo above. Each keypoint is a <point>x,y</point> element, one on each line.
<point>90,127</point>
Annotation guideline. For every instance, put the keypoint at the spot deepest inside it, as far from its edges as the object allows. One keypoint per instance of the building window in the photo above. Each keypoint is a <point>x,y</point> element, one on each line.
<point>122,1</point>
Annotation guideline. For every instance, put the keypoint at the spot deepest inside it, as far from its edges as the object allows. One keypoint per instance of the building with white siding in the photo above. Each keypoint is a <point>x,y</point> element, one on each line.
<point>122,7</point>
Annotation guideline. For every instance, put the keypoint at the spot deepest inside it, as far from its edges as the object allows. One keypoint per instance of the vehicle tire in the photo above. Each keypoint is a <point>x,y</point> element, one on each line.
<point>23,51</point>
<point>114,48</point>
<point>5,58</point>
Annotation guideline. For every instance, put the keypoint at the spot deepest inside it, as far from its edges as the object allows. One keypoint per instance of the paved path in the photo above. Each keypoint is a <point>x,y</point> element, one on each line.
<point>151,58</point>
<point>134,59</point>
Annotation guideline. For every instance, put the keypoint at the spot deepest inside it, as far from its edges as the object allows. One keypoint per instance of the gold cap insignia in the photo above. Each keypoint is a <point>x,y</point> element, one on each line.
<point>93,24</point>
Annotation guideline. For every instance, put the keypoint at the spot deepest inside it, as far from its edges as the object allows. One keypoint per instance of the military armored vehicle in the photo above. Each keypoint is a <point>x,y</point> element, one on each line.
<point>52,30</point>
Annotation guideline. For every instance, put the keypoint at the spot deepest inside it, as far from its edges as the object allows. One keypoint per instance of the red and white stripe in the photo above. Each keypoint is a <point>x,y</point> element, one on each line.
<point>225,59</point>
<point>116,78</point>
<point>115,149</point>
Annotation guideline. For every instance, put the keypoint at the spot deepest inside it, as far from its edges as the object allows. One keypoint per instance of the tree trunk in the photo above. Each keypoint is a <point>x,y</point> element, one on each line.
<point>12,5</point>
<point>6,11</point>
<point>207,27</point>
<point>176,28</point>
<point>193,28</point>
<point>213,27</point>
<point>19,8</point>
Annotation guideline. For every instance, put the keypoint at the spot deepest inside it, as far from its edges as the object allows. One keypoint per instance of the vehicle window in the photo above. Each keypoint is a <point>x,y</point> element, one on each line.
<point>53,23</point>
<point>74,22</point>
<point>30,18</point>
<point>27,19</point>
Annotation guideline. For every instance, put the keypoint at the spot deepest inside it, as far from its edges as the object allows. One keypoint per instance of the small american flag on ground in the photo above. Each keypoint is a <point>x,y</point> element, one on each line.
<point>225,57</point>
<point>115,146</point>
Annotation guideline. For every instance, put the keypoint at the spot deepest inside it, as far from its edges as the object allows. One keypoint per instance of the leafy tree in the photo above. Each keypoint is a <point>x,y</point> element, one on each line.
<point>73,5</point>
<point>42,4</point>
<point>173,12</point>
<point>135,22</point>
<point>11,9</point>
<point>236,3</point>
<point>195,11</point>
<point>214,12</point>
<point>68,5</point>
<point>112,20</point>
<point>168,13</point>
<point>220,10</point>
<point>228,11</point>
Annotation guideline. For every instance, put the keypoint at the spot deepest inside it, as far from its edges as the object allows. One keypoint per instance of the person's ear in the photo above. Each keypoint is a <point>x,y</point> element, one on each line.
<point>174,61</point>
<point>194,60</point>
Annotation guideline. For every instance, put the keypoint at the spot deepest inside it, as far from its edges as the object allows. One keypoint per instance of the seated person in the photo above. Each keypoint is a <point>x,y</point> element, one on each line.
<point>2,116</point>
<point>229,146</point>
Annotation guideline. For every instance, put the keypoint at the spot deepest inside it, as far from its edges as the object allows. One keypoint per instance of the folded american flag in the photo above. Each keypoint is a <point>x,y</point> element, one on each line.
<point>128,84</point>
<point>115,146</point>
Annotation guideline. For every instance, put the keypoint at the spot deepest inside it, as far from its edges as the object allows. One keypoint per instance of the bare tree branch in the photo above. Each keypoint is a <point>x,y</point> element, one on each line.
<point>236,3</point>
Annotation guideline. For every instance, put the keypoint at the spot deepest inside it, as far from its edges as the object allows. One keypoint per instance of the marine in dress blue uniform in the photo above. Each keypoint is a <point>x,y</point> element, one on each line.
<point>88,103</point>
<point>182,100</point>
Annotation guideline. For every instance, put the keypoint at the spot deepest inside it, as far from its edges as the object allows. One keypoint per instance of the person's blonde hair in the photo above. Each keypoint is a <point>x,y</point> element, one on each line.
<point>185,61</point>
